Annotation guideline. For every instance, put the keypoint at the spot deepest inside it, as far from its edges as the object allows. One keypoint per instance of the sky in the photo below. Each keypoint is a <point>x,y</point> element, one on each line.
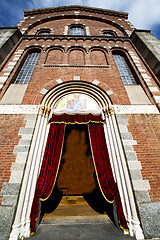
<point>143,14</point>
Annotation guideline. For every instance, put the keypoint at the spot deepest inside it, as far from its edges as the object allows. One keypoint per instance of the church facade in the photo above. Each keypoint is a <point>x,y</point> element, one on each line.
<point>77,66</point>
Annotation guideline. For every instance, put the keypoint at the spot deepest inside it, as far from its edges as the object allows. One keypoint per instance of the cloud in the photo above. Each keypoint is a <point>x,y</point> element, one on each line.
<point>54,3</point>
<point>144,13</point>
<point>109,4</point>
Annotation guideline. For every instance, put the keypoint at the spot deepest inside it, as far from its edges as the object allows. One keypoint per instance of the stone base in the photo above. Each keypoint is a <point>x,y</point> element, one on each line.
<point>150,219</point>
<point>6,220</point>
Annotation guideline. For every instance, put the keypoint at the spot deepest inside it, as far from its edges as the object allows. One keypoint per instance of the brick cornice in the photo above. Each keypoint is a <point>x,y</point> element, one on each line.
<point>76,7</point>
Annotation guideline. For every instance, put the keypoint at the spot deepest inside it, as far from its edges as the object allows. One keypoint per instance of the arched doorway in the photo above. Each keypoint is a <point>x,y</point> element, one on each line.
<point>76,194</point>
<point>112,139</point>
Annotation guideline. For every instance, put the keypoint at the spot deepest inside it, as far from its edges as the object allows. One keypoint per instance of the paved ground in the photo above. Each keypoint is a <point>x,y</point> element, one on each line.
<point>77,222</point>
<point>85,229</point>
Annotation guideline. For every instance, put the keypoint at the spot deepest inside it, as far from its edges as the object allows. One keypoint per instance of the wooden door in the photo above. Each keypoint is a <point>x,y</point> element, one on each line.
<point>76,174</point>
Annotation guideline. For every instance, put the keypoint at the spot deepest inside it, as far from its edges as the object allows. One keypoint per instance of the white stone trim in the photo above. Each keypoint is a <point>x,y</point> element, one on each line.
<point>153,89</point>
<point>43,91</point>
<point>59,81</point>
<point>3,79</point>
<point>129,142</point>
<point>19,109</point>
<point>11,63</point>
<point>136,109</point>
<point>76,78</point>
<point>6,74</point>
<point>65,30</point>
<point>148,80</point>
<point>8,69</point>
<point>141,185</point>
<point>157,99</point>
<point>119,109</point>
<point>87,31</point>
<point>96,82</point>
<point>134,165</point>
<point>109,92</point>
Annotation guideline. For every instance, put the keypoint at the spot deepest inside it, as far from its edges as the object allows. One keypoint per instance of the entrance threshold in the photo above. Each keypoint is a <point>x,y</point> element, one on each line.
<point>72,208</point>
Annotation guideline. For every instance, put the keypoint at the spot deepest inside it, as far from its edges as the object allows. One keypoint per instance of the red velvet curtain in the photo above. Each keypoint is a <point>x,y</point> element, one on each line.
<point>52,156</point>
<point>103,169</point>
<point>49,169</point>
<point>77,118</point>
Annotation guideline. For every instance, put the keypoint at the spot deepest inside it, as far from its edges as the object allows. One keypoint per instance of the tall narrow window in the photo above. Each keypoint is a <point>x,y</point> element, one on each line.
<point>27,68</point>
<point>76,30</point>
<point>125,71</point>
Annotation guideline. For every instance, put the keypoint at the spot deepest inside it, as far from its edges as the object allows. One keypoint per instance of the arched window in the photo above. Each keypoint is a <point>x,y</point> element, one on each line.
<point>124,69</point>
<point>44,32</point>
<point>27,68</point>
<point>76,30</point>
<point>108,34</point>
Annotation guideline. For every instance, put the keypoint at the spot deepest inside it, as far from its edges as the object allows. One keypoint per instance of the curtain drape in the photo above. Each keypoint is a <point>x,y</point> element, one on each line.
<point>49,169</point>
<point>76,118</point>
<point>52,156</point>
<point>103,170</point>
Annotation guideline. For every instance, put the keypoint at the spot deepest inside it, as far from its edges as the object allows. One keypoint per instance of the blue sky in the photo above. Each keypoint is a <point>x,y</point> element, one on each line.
<point>143,14</point>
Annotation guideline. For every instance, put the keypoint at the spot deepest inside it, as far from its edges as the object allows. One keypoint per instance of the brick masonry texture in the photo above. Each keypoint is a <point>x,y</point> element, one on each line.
<point>45,76</point>
<point>10,125</point>
<point>145,130</point>
<point>84,48</point>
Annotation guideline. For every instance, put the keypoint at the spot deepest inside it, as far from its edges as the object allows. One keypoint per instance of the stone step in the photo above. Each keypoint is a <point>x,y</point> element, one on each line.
<point>71,221</point>
<point>79,230</point>
<point>73,211</point>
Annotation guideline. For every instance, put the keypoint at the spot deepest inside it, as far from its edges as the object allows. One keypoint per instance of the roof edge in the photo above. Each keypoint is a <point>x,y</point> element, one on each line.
<point>76,7</point>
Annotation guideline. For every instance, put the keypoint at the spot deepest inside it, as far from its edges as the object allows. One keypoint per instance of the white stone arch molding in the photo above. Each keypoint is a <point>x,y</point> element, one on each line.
<point>21,224</point>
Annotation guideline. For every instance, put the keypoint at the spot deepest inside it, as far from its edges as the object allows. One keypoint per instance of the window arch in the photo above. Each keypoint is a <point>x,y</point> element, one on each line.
<point>28,67</point>
<point>44,32</point>
<point>124,69</point>
<point>76,30</point>
<point>108,33</point>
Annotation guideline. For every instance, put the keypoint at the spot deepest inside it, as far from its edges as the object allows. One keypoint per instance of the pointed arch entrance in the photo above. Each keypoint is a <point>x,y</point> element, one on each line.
<point>111,138</point>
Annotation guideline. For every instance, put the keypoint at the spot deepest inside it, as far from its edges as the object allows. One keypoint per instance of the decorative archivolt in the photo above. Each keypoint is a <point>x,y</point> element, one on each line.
<point>88,89</point>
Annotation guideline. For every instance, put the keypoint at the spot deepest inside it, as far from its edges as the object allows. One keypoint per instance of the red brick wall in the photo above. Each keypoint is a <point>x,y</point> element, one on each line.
<point>9,125</point>
<point>96,20</point>
<point>45,77</point>
<point>95,27</point>
<point>145,130</point>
